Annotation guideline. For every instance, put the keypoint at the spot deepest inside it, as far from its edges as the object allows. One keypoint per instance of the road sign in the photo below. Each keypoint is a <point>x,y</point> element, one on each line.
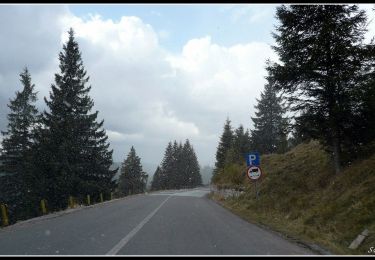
<point>253,159</point>
<point>254,172</point>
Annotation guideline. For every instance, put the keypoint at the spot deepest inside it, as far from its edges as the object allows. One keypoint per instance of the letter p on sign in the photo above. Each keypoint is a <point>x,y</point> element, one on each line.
<point>253,159</point>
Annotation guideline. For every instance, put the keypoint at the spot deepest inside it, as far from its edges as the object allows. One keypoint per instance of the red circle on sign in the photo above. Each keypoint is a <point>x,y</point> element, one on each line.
<point>254,172</point>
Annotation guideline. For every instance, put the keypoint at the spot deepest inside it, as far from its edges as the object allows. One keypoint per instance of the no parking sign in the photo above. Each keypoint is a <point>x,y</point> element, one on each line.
<point>254,173</point>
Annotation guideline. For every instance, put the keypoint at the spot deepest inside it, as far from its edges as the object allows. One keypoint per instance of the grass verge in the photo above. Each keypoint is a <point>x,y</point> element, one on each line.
<point>301,197</point>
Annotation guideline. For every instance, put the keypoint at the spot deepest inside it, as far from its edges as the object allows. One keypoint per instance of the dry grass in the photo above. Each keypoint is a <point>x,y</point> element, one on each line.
<point>302,197</point>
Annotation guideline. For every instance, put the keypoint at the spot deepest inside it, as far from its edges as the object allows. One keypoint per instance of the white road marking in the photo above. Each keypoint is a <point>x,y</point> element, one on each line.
<point>188,193</point>
<point>132,233</point>
<point>193,193</point>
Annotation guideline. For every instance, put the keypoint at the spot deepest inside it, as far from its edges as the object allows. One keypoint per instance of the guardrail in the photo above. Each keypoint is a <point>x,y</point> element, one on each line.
<point>43,206</point>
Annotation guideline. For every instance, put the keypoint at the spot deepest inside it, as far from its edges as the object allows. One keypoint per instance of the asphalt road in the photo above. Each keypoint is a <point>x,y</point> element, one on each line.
<point>163,223</point>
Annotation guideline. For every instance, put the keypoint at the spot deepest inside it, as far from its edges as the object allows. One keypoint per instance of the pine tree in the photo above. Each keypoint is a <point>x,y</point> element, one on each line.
<point>176,167</point>
<point>269,134</point>
<point>191,169</point>
<point>362,141</point>
<point>303,130</point>
<point>179,168</point>
<point>167,168</point>
<point>72,151</point>
<point>322,54</point>
<point>225,144</point>
<point>17,188</point>
<point>132,179</point>
<point>156,179</point>
<point>241,144</point>
<point>181,175</point>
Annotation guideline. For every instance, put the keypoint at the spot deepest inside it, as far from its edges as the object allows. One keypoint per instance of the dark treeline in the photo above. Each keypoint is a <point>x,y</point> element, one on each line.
<point>325,80</point>
<point>179,168</point>
<point>58,153</point>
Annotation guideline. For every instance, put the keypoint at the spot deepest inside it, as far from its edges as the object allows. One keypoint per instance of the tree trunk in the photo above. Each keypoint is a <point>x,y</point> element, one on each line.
<point>336,155</point>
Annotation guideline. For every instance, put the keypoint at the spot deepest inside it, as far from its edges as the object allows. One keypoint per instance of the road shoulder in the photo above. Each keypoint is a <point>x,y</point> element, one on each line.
<point>313,247</point>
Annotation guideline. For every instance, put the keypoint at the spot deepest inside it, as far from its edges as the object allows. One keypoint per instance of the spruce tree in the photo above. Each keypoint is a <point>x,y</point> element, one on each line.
<point>362,141</point>
<point>156,179</point>
<point>167,168</point>
<point>132,179</point>
<point>176,166</point>
<point>179,168</point>
<point>241,144</point>
<point>72,150</point>
<point>18,185</point>
<point>185,176</point>
<point>191,169</point>
<point>322,61</point>
<point>270,127</point>
<point>225,144</point>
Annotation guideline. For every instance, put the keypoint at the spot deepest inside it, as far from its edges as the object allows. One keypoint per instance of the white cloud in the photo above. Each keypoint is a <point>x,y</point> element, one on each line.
<point>165,121</point>
<point>224,79</point>
<point>370,12</point>
<point>130,35</point>
<point>115,136</point>
<point>149,96</point>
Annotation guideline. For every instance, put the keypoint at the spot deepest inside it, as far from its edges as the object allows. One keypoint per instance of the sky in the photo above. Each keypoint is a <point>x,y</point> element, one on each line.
<point>158,72</point>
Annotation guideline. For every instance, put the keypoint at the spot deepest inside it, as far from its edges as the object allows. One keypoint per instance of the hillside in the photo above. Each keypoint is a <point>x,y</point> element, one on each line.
<point>301,197</point>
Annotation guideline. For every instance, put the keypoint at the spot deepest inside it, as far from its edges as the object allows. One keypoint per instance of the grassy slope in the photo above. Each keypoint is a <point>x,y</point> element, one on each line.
<point>301,197</point>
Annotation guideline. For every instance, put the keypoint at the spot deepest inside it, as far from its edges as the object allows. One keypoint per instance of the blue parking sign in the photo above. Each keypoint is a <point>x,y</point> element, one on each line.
<point>253,159</point>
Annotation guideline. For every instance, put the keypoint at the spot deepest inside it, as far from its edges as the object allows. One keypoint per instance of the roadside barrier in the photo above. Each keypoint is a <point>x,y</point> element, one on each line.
<point>43,206</point>
<point>73,202</point>
<point>4,215</point>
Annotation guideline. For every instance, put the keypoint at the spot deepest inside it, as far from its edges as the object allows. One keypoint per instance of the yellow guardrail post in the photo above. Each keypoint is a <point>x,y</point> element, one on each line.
<point>101,197</point>
<point>4,215</point>
<point>88,199</point>
<point>43,206</point>
<point>71,205</point>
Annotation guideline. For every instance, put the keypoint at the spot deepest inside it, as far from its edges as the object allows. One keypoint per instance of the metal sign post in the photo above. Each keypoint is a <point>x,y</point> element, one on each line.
<point>256,190</point>
<point>254,173</point>
<point>253,170</point>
